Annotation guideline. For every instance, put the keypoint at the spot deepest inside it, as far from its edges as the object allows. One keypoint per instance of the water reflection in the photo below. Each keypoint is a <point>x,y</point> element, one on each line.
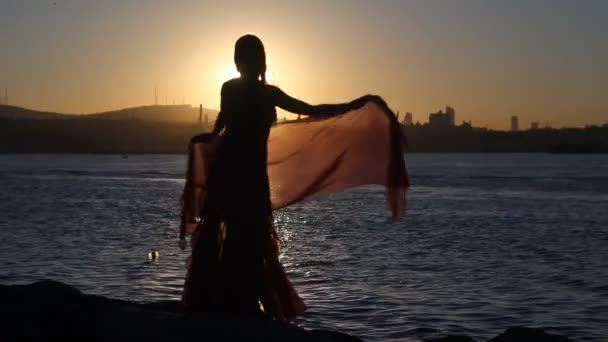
<point>483,246</point>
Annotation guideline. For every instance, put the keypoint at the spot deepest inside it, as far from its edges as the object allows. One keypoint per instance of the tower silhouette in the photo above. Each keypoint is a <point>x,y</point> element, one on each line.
<point>514,123</point>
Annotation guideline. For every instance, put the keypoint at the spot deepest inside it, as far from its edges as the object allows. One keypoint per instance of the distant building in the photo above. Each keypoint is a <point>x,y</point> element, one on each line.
<point>451,115</point>
<point>514,123</point>
<point>441,119</point>
<point>408,120</point>
<point>534,125</point>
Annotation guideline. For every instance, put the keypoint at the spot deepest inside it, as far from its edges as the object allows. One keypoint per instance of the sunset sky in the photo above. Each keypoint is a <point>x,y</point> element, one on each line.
<point>489,59</point>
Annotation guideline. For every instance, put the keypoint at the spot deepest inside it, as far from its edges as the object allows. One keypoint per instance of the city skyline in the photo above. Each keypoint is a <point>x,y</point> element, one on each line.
<point>544,61</point>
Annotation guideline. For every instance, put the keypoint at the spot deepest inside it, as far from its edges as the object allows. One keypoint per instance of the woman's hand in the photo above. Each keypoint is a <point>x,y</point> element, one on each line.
<point>373,98</point>
<point>360,102</point>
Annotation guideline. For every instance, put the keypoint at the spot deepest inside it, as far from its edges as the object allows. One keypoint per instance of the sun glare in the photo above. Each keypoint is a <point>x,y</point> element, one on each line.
<point>227,72</point>
<point>270,79</point>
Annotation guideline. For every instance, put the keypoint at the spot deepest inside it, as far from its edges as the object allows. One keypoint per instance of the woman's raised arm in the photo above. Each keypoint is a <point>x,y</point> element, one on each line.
<point>296,106</point>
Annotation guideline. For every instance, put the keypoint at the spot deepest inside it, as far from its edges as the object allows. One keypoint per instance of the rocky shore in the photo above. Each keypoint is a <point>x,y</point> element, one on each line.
<point>47,309</point>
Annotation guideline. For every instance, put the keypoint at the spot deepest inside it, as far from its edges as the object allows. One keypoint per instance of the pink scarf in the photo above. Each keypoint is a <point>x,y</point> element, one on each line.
<point>314,157</point>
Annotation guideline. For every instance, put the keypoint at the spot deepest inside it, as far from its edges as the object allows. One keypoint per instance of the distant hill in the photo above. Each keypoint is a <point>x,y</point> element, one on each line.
<point>18,113</point>
<point>168,129</point>
<point>173,114</point>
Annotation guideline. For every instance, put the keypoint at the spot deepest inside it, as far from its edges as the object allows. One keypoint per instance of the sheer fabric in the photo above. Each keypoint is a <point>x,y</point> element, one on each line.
<point>306,159</point>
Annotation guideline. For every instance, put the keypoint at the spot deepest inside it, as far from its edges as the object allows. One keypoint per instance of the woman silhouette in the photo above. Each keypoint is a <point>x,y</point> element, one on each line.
<point>234,263</point>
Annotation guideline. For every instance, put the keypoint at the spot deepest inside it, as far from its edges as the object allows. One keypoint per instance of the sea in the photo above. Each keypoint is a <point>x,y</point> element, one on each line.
<point>489,241</point>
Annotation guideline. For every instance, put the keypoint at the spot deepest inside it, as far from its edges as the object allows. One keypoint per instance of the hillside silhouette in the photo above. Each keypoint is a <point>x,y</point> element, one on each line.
<point>156,113</point>
<point>12,112</point>
<point>168,129</point>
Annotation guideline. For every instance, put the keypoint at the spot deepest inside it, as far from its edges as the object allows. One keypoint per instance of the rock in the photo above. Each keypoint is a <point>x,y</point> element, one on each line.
<point>48,309</point>
<point>43,309</point>
<point>451,338</point>
<point>516,334</point>
<point>521,334</point>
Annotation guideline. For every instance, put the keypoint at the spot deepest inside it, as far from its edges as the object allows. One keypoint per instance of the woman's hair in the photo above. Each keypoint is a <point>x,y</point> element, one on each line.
<point>250,57</point>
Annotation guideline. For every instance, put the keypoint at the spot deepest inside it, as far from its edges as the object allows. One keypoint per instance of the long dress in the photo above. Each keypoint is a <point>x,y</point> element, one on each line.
<point>234,263</point>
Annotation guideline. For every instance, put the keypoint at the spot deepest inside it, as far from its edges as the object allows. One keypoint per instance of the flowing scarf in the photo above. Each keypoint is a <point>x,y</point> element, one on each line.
<point>313,157</point>
<point>308,159</point>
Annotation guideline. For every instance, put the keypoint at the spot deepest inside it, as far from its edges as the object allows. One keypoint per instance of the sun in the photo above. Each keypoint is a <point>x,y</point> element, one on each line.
<point>270,77</point>
<point>227,72</point>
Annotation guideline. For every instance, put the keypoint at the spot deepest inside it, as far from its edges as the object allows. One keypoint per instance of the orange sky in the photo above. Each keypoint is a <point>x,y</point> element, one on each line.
<point>545,60</point>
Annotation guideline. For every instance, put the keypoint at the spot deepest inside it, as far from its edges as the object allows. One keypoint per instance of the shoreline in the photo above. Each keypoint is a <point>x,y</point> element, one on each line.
<point>49,309</point>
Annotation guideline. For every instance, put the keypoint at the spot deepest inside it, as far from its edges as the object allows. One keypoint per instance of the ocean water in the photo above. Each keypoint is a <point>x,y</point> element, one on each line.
<point>489,241</point>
